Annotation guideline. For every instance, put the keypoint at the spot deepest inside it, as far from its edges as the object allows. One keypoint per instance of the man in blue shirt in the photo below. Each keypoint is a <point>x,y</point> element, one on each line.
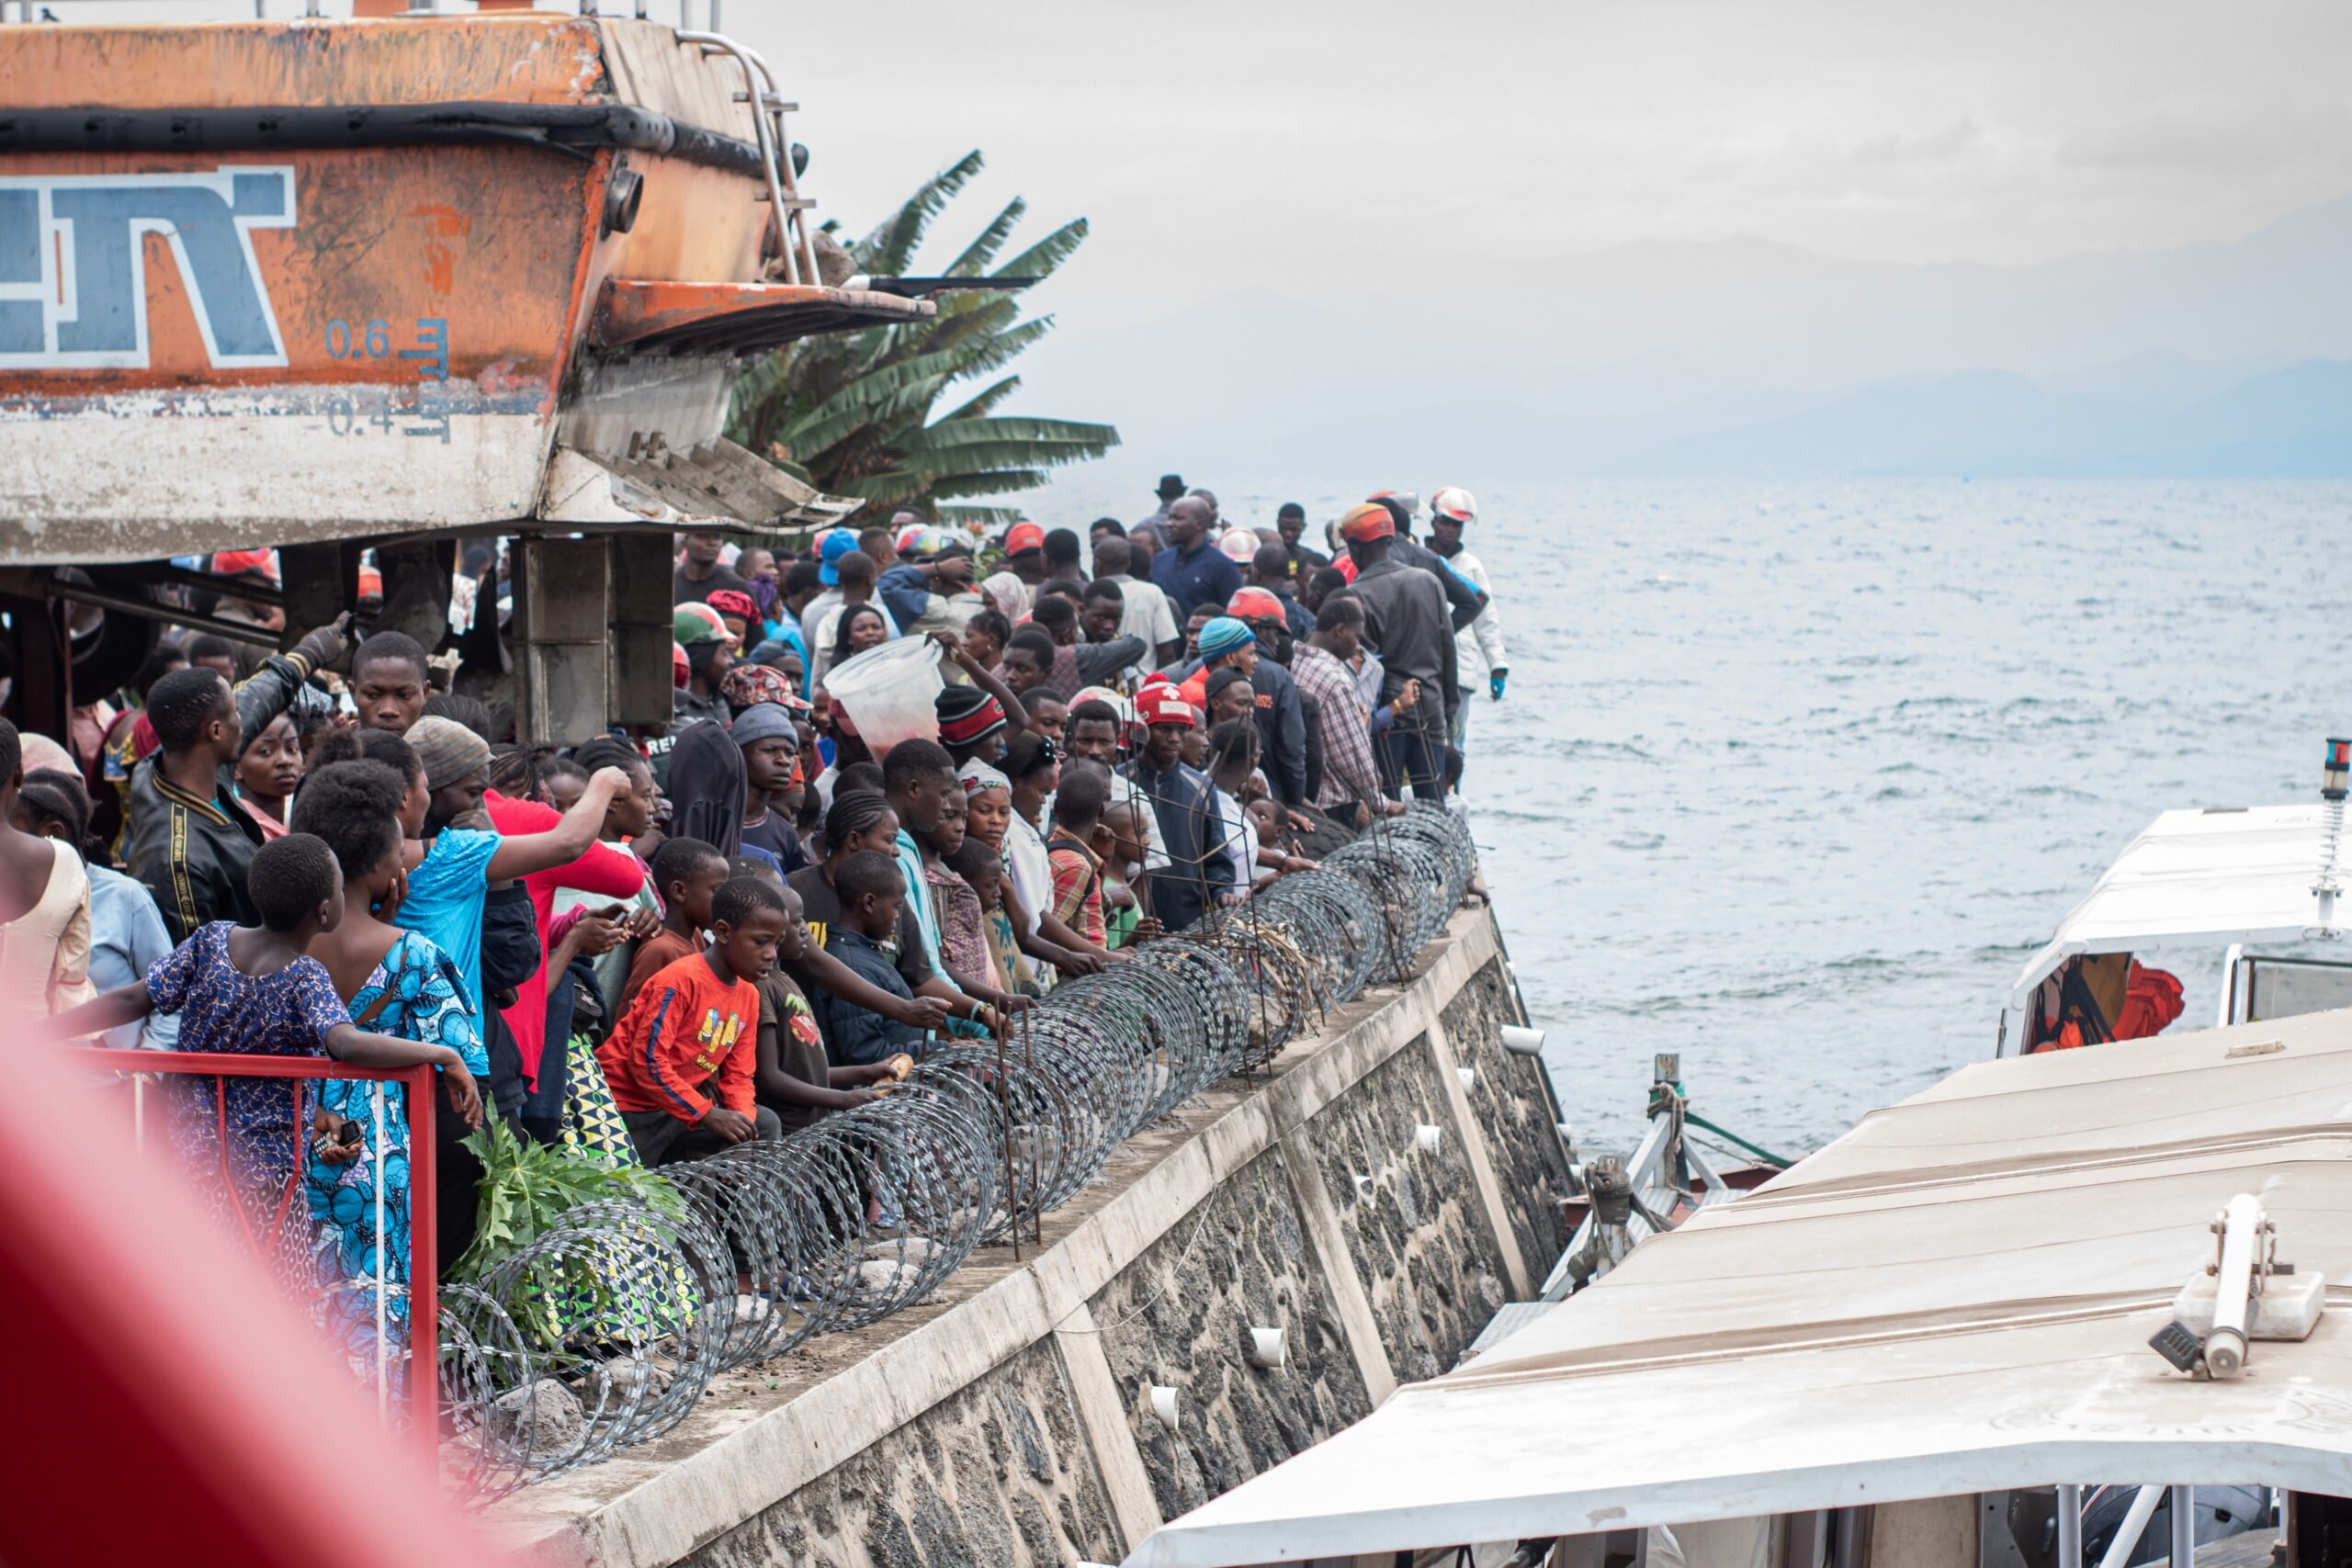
<point>1192,570</point>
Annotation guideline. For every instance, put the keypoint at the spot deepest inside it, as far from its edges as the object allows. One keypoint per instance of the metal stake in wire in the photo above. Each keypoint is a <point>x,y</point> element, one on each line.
<point>1004,1109</point>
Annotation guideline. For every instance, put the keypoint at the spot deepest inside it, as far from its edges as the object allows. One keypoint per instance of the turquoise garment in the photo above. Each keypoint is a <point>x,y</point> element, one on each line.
<point>919,899</point>
<point>412,993</point>
<point>444,903</point>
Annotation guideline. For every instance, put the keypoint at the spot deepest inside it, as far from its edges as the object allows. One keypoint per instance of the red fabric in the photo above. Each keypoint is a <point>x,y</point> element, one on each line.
<point>1254,605</point>
<point>1346,565</point>
<point>687,1043</point>
<point>164,1347</point>
<point>2152,1001</point>
<point>604,871</point>
<point>1196,689</point>
<point>1163,703</point>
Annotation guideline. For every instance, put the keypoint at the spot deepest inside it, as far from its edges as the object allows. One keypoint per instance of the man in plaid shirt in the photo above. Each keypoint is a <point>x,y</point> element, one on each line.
<point>1320,666</point>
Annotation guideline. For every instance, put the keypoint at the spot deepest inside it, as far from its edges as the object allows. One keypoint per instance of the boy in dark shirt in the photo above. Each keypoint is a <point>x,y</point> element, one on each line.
<point>871,891</point>
<point>794,1077</point>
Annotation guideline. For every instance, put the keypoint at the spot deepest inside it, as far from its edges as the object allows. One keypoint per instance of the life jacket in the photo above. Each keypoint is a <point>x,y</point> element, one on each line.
<point>2152,999</point>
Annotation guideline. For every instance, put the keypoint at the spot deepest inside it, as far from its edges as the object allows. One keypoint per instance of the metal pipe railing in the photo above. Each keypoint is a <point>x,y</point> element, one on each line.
<point>423,1317</point>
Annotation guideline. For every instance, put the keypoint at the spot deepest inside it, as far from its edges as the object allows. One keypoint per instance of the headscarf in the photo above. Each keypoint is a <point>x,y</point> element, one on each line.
<point>707,788</point>
<point>449,750</point>
<point>1223,635</point>
<point>732,601</point>
<point>767,597</point>
<point>978,778</point>
<point>1008,594</point>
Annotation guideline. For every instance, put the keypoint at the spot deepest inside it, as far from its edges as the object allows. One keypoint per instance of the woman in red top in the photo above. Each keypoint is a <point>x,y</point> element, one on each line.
<point>605,870</point>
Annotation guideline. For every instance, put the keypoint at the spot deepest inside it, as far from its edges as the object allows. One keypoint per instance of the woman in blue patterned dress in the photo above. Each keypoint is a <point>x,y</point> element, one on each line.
<point>256,990</point>
<point>398,983</point>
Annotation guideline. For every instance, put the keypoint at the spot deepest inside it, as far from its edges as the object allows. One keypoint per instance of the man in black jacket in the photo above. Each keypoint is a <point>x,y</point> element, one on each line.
<point>188,840</point>
<point>1464,598</point>
<point>1405,616</point>
<point>185,835</point>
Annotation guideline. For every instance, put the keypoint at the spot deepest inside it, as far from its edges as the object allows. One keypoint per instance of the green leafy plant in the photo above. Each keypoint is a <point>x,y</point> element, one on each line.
<point>527,1188</point>
<point>854,414</point>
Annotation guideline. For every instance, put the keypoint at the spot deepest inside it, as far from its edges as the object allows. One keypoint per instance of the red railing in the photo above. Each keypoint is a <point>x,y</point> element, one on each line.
<point>423,1325</point>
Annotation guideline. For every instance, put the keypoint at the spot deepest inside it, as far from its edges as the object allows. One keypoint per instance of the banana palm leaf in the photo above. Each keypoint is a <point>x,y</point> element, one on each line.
<point>981,250</point>
<point>986,400</point>
<point>858,413</point>
<point>1041,259</point>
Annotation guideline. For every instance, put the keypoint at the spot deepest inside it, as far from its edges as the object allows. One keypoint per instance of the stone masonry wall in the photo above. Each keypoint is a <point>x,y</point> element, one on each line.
<point>998,1473</point>
<point>1416,1231</point>
<point>1181,1314</point>
<point>1531,1163</point>
<point>993,1427</point>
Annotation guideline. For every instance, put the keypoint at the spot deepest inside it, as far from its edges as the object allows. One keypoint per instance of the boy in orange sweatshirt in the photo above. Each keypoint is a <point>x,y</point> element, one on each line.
<point>681,1063</point>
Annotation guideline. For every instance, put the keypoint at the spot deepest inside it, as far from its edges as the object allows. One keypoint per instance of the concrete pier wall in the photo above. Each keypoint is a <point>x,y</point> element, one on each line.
<point>1365,1195</point>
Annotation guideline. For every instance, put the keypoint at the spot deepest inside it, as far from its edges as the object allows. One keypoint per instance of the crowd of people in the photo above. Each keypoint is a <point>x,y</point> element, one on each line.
<point>668,940</point>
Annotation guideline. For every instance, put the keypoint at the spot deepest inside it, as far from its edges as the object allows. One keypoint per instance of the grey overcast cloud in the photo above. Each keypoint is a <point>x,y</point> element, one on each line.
<point>1674,236</point>
<point>1323,146</point>
<point>1555,239</point>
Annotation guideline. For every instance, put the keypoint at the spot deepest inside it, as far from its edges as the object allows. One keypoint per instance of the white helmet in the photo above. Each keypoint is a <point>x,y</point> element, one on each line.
<point>1457,504</point>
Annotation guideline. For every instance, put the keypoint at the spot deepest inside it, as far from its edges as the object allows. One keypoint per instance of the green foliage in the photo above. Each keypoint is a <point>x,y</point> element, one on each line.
<point>528,1187</point>
<point>854,414</point>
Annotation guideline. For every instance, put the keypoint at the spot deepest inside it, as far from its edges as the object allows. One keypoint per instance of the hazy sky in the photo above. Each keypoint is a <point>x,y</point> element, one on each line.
<point>1335,147</point>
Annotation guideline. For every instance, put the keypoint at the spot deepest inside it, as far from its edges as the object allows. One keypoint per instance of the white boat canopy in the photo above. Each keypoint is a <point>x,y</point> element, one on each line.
<point>1954,1297</point>
<point>2241,874</point>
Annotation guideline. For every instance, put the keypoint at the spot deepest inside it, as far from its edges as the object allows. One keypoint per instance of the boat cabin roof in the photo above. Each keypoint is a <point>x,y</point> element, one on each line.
<point>2222,873</point>
<point>1954,1297</point>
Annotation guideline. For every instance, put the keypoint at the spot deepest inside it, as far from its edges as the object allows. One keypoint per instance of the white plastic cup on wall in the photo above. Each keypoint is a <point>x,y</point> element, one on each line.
<point>1163,1404</point>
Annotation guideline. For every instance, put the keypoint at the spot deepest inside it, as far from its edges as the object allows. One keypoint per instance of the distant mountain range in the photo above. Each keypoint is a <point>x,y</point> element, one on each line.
<point>1746,356</point>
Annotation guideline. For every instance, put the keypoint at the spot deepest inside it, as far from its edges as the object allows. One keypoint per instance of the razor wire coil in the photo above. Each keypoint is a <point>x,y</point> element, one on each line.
<point>603,1332</point>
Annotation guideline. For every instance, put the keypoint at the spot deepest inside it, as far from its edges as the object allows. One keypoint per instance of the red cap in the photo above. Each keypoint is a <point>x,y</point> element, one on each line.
<point>1163,703</point>
<point>1023,537</point>
<point>1369,521</point>
<point>1256,604</point>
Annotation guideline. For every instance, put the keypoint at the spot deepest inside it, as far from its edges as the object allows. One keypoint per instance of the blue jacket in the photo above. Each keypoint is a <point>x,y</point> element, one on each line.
<point>853,1034</point>
<point>1207,575</point>
<point>1185,803</point>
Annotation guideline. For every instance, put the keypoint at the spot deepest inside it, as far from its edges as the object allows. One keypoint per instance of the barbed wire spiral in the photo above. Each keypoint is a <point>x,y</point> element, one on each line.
<point>603,1332</point>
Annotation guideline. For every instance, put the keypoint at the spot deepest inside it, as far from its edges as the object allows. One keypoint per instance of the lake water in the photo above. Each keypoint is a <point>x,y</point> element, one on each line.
<point>1792,777</point>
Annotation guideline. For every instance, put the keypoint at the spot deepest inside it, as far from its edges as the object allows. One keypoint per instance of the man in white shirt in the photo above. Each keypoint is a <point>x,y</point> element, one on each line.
<point>1148,613</point>
<point>1479,646</point>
